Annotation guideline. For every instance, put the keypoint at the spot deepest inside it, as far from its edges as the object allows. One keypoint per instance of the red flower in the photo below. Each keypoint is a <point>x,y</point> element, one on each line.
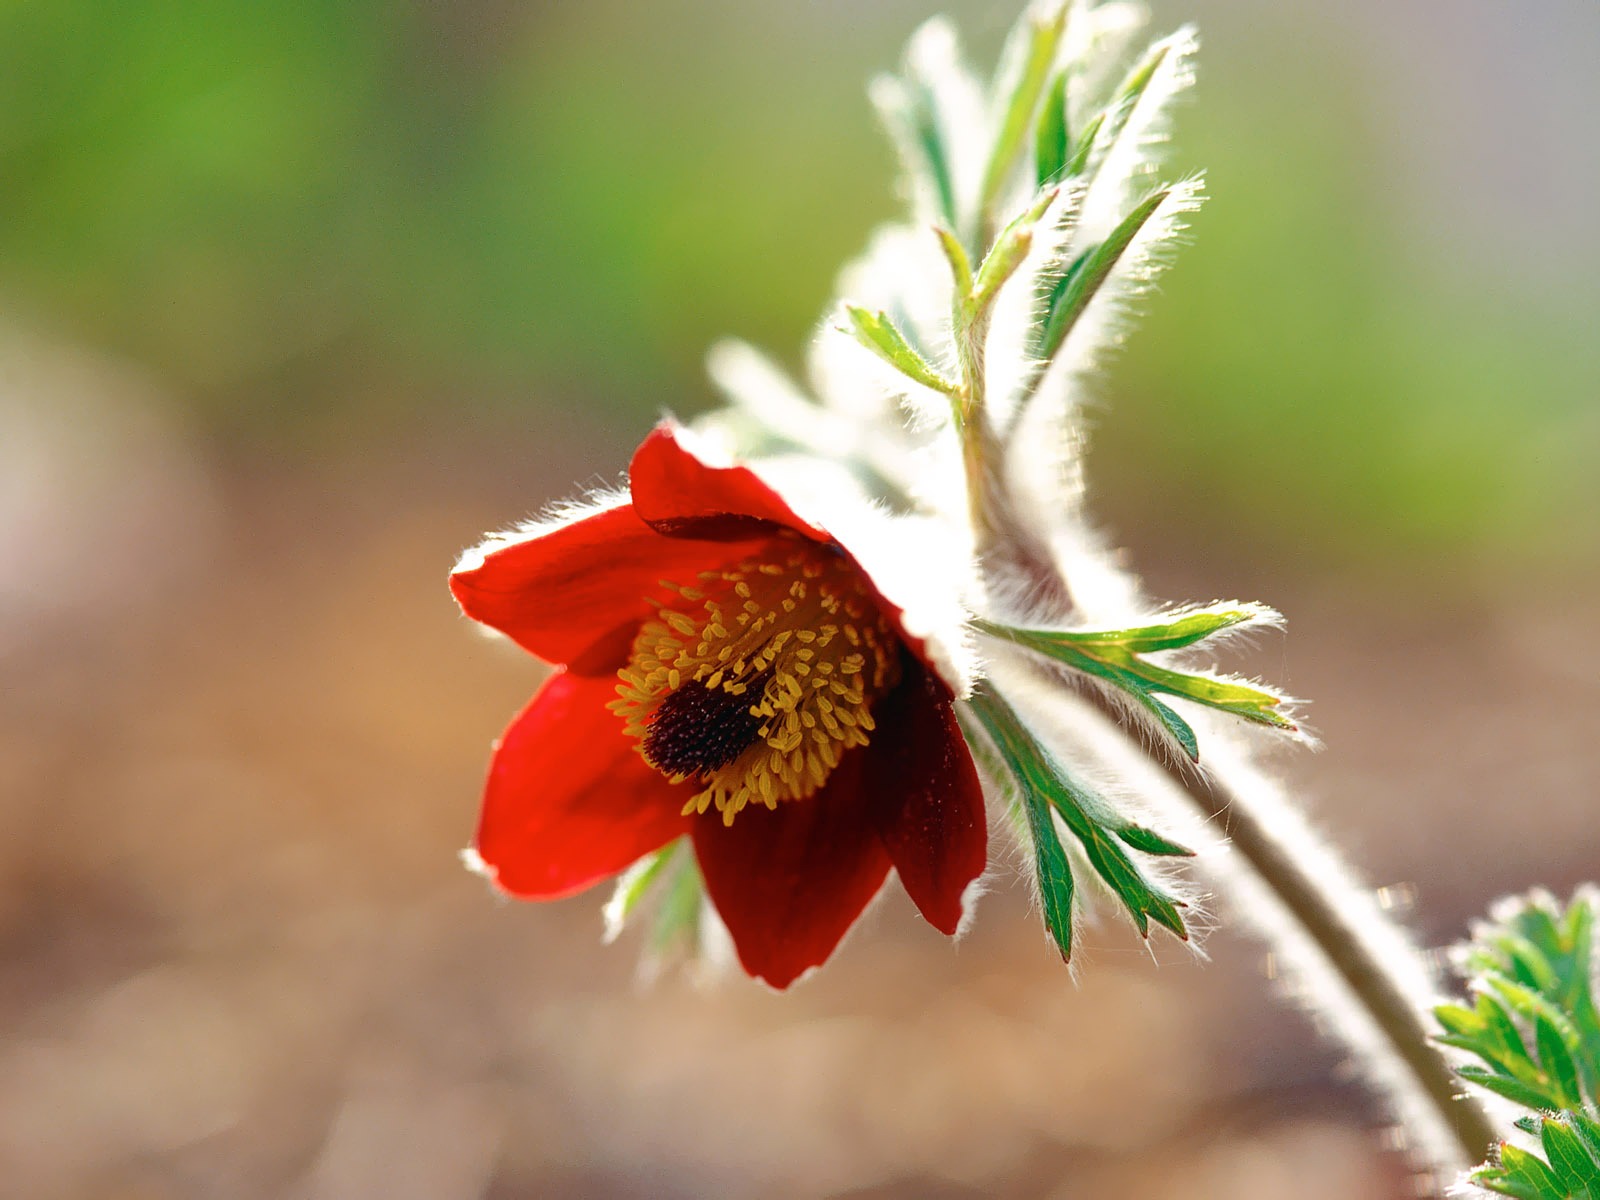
<point>728,671</point>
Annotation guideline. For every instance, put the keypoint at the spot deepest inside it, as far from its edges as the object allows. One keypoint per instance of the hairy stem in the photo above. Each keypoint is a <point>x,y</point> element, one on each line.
<point>1314,900</point>
<point>972,427</point>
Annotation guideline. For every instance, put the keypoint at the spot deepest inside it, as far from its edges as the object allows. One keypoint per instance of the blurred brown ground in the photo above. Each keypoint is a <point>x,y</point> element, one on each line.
<point>241,735</point>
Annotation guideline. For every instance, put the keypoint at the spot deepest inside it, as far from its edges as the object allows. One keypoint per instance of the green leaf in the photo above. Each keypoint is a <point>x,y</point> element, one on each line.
<point>1180,729</point>
<point>1128,95</point>
<point>960,264</point>
<point>1064,297</point>
<point>1115,655</point>
<point>1588,1131</point>
<point>1053,871</point>
<point>1042,34</point>
<point>678,919</point>
<point>1251,703</point>
<point>909,111</point>
<point>1079,162</point>
<point>1011,246</point>
<point>1138,79</point>
<point>1114,866</point>
<point>1503,1045</point>
<point>1052,140</point>
<point>1524,1175</point>
<point>1150,842</point>
<point>634,884</point>
<point>1525,1094</point>
<point>1531,966</point>
<point>922,116</point>
<point>1091,819</point>
<point>1531,973</point>
<point>1536,928</point>
<point>1458,1020</point>
<point>1558,1065</point>
<point>1567,1156</point>
<point>1180,632</point>
<point>879,334</point>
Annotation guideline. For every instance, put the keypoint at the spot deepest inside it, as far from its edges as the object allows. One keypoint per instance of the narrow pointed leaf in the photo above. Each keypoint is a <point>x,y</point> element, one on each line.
<point>1515,1090</point>
<point>1558,1065</point>
<point>1530,1172</point>
<point>1112,864</point>
<point>1138,79</point>
<point>1053,872</point>
<point>1066,297</point>
<point>879,334</point>
<point>1251,703</point>
<point>1178,633</point>
<point>1052,139</point>
<point>1030,775</point>
<point>1119,112</point>
<point>1113,655</point>
<point>1090,818</point>
<point>1150,842</point>
<point>1459,1020</point>
<point>960,263</point>
<point>1079,162</point>
<point>922,116</point>
<point>1530,1005</point>
<point>910,113</point>
<point>1011,246</point>
<point>1504,1041</point>
<point>1530,966</point>
<point>1538,928</point>
<point>1182,732</point>
<point>1165,911</point>
<point>633,885</point>
<point>679,915</point>
<point>1032,74</point>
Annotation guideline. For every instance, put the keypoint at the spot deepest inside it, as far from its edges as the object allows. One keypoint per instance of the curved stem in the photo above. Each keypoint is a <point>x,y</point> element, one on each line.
<point>1313,902</point>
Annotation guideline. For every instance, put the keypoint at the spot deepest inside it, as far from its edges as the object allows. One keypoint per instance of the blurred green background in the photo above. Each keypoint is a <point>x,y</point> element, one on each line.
<point>296,299</point>
<point>324,222</point>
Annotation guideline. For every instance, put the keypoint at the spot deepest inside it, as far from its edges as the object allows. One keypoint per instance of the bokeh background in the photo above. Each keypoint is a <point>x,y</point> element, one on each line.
<point>296,299</point>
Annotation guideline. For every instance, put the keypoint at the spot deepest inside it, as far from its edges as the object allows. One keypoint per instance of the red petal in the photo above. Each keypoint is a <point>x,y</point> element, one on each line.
<point>569,801</point>
<point>559,594</point>
<point>925,798</point>
<point>677,494</point>
<point>789,882</point>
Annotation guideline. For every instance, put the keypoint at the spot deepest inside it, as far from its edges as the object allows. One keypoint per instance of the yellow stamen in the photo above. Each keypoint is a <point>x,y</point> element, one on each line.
<point>742,683</point>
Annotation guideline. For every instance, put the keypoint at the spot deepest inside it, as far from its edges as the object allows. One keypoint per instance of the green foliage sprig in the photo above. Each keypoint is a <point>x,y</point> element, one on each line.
<point>1535,1031</point>
<point>1046,790</point>
<point>1119,657</point>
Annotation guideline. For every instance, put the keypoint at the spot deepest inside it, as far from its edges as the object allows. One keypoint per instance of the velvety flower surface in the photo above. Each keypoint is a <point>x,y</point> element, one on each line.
<point>727,671</point>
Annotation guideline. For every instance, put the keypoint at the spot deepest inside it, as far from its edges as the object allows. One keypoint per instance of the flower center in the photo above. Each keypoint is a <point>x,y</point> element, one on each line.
<point>757,679</point>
